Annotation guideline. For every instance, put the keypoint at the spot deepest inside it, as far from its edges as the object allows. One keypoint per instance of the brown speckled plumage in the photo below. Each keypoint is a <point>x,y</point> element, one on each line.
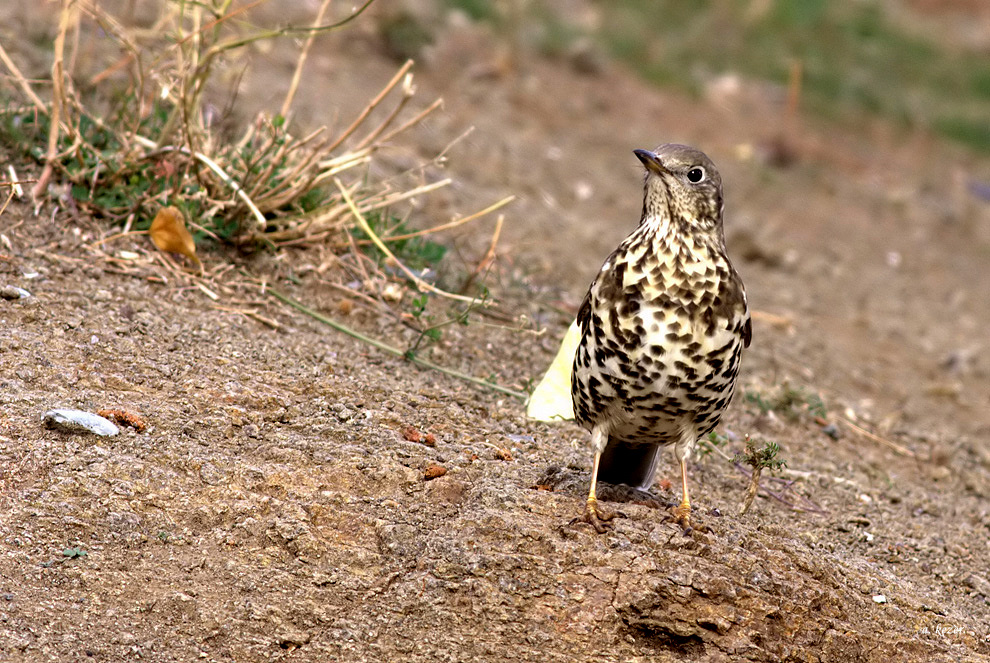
<point>662,329</point>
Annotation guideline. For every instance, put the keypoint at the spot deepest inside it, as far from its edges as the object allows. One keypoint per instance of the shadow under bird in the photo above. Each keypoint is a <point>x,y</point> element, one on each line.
<point>661,330</point>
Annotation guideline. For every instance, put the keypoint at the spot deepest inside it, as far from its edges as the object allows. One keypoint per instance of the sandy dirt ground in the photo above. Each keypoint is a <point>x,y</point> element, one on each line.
<point>275,507</point>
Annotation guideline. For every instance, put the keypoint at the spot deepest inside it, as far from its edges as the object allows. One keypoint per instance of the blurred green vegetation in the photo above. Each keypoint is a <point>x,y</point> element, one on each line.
<point>478,10</point>
<point>855,59</point>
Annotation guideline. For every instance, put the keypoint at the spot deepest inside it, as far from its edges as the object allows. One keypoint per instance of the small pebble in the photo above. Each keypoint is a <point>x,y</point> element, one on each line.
<point>13,292</point>
<point>941,473</point>
<point>78,421</point>
<point>832,431</point>
<point>290,637</point>
<point>879,598</point>
<point>980,584</point>
<point>434,471</point>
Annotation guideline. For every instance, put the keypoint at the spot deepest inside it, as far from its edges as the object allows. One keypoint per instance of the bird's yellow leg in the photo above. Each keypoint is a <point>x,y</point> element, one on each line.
<point>594,515</point>
<point>682,512</point>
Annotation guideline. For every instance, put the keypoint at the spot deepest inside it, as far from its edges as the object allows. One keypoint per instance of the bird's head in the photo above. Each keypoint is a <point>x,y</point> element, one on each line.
<point>683,187</point>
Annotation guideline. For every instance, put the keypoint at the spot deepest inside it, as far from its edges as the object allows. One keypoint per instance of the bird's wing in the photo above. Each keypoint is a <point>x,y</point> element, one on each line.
<point>584,313</point>
<point>551,400</point>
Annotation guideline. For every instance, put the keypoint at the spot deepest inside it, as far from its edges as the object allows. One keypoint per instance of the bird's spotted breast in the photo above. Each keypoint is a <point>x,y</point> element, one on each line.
<point>661,338</point>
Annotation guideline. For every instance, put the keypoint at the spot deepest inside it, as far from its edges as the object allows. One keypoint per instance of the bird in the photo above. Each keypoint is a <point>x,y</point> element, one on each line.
<point>662,329</point>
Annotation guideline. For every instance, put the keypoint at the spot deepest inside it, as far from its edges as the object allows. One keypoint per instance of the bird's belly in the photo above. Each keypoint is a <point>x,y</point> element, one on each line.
<point>661,388</point>
<point>667,405</point>
<point>647,427</point>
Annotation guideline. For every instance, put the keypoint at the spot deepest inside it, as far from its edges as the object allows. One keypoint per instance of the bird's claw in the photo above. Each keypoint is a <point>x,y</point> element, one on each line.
<point>597,517</point>
<point>682,515</point>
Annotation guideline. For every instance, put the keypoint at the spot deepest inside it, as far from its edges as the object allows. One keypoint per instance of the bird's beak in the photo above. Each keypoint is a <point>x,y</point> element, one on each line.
<point>651,162</point>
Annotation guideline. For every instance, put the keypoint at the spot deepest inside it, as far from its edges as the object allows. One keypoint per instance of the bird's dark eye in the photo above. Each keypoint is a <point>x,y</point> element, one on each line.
<point>696,175</point>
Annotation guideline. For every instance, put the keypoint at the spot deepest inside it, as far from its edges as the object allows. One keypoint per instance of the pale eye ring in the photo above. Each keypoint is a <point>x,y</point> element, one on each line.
<point>696,175</point>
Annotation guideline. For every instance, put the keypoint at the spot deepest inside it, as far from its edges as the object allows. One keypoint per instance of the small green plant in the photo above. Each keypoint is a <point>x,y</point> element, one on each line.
<point>67,554</point>
<point>816,406</point>
<point>434,330</point>
<point>425,338</point>
<point>764,457</point>
<point>758,458</point>
<point>758,399</point>
<point>414,251</point>
<point>419,305</point>
<point>788,402</point>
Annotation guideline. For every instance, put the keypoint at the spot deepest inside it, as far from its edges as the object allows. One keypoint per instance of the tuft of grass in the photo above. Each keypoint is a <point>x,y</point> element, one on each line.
<point>103,179</point>
<point>131,132</point>
<point>138,134</point>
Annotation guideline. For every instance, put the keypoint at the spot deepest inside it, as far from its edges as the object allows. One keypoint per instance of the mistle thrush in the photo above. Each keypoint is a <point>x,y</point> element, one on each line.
<point>662,329</point>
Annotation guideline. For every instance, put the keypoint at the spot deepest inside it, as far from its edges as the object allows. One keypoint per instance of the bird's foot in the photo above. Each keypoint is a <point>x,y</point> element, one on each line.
<point>596,516</point>
<point>682,514</point>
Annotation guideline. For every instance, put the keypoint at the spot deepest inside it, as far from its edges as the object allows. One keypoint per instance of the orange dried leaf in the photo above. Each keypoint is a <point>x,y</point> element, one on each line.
<point>123,418</point>
<point>168,233</point>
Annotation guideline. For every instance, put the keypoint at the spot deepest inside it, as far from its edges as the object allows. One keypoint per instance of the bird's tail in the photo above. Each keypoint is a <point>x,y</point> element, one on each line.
<point>632,464</point>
